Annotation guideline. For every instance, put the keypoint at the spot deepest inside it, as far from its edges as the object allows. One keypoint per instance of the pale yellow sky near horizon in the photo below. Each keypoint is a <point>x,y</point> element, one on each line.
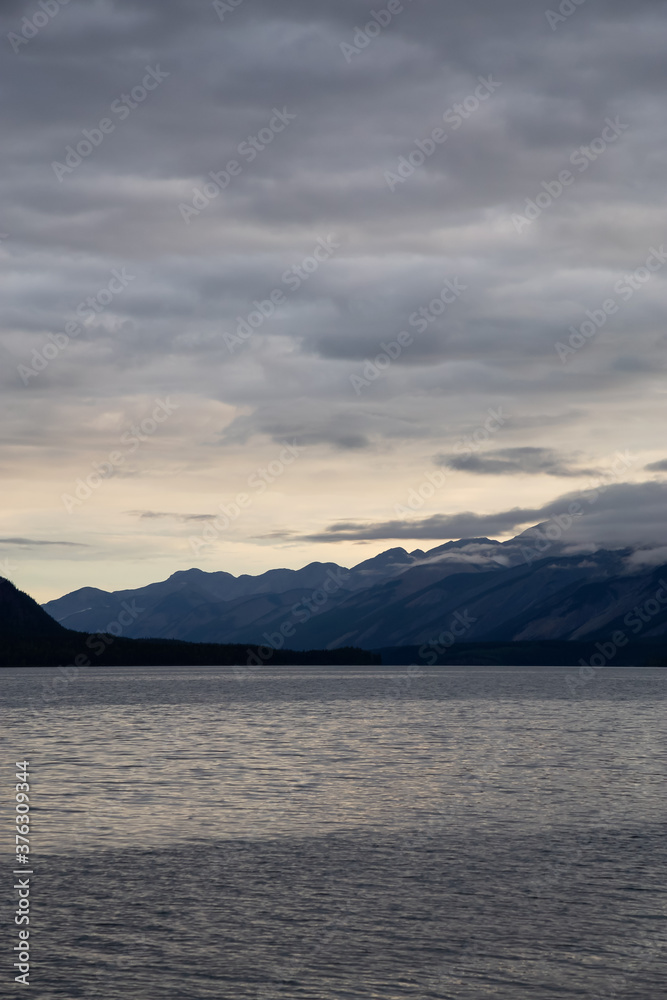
<point>120,549</point>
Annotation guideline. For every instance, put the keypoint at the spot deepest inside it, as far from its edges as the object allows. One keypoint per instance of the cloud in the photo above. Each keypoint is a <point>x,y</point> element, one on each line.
<point>642,558</point>
<point>618,514</point>
<point>153,515</point>
<point>440,526</point>
<point>660,466</point>
<point>35,542</point>
<point>515,461</point>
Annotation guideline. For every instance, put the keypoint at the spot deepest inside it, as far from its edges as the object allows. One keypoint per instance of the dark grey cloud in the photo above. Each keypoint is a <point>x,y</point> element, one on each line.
<point>660,466</point>
<point>342,428</point>
<point>516,461</point>
<point>438,526</point>
<point>619,513</point>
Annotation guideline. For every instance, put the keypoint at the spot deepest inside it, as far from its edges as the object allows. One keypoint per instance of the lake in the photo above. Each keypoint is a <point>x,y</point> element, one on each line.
<point>328,833</point>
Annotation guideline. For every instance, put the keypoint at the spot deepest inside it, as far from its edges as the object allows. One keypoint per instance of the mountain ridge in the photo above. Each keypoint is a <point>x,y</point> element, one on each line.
<point>509,592</point>
<point>30,637</point>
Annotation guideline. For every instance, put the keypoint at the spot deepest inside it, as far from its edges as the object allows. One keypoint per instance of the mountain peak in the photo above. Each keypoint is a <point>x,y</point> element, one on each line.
<point>462,543</point>
<point>386,558</point>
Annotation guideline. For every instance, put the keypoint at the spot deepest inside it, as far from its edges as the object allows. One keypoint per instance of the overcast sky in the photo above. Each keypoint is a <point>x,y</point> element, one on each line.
<point>214,216</point>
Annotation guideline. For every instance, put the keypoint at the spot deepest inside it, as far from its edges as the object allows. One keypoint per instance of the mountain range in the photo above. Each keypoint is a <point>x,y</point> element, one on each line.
<point>528,589</point>
<point>30,637</point>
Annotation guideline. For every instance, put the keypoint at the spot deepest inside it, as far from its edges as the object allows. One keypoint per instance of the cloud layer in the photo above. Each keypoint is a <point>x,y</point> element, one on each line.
<point>303,226</point>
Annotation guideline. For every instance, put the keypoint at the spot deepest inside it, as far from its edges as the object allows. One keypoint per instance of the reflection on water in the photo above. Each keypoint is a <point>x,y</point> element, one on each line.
<point>350,833</point>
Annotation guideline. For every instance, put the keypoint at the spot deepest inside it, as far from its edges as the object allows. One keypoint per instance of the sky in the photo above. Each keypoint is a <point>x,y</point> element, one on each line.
<point>298,280</point>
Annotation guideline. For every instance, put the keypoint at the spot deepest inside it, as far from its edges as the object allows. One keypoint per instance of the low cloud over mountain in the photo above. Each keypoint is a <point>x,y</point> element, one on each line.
<point>621,513</point>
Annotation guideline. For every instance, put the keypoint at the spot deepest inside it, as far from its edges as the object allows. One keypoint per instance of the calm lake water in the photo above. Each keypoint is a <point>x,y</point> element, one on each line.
<point>320,834</point>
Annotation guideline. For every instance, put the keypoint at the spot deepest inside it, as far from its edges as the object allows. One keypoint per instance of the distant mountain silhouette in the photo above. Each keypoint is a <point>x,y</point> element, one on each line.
<point>31,637</point>
<point>528,589</point>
